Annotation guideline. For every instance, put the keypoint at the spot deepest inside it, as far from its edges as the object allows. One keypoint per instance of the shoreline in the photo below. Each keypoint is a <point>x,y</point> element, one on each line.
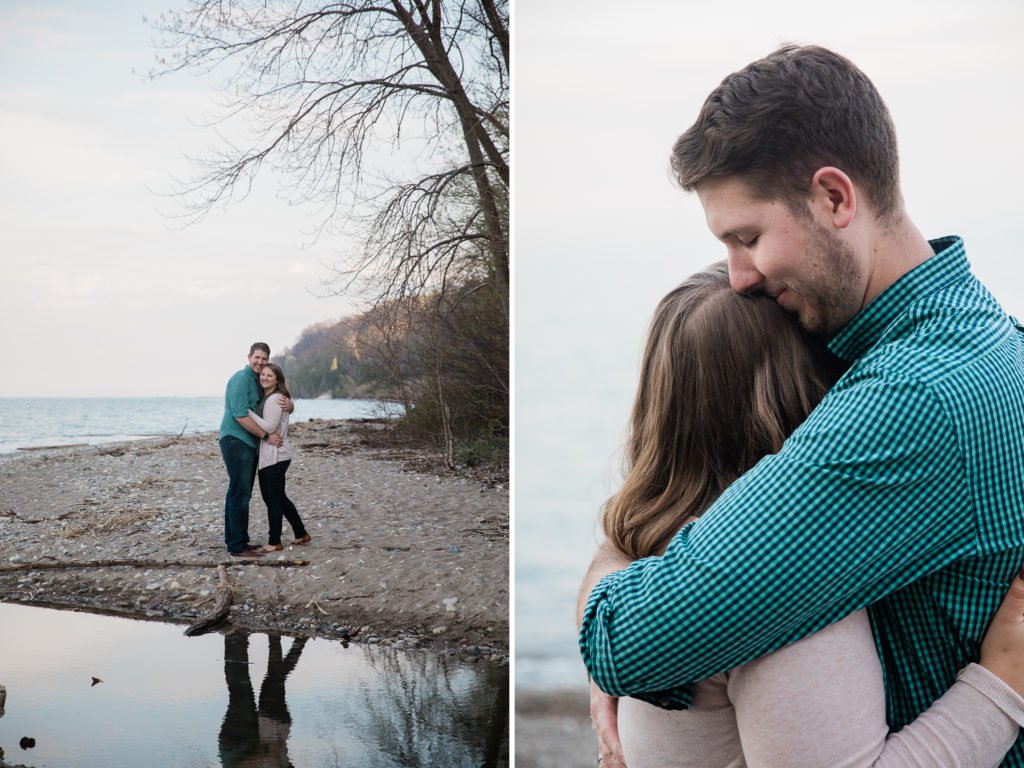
<point>404,552</point>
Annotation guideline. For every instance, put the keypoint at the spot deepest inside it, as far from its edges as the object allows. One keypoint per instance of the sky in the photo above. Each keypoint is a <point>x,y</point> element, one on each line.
<point>105,292</point>
<point>601,90</point>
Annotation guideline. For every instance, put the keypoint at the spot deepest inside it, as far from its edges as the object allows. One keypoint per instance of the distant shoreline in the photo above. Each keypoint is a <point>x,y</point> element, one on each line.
<point>58,423</point>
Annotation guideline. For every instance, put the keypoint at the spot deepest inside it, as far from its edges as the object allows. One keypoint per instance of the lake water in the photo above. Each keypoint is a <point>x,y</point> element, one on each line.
<point>569,426</point>
<point>237,699</point>
<point>34,422</point>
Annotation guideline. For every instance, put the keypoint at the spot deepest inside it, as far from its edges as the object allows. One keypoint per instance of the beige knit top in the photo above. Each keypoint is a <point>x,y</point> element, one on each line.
<point>819,703</point>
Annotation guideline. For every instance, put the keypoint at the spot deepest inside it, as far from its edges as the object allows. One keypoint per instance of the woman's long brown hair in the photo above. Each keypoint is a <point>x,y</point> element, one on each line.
<point>724,380</point>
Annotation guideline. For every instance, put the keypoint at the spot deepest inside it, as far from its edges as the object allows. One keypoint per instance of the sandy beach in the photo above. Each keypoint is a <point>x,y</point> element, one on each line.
<point>404,552</point>
<point>553,729</point>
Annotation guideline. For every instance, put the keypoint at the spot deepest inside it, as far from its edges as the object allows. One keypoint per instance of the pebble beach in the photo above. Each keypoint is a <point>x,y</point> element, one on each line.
<point>404,552</point>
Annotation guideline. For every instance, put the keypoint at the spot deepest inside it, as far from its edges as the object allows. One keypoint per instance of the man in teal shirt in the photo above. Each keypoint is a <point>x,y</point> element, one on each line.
<point>239,443</point>
<point>904,490</point>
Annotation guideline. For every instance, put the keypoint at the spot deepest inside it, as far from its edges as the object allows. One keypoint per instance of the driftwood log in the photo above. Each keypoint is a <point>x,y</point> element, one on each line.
<point>222,597</point>
<point>222,593</point>
<point>58,564</point>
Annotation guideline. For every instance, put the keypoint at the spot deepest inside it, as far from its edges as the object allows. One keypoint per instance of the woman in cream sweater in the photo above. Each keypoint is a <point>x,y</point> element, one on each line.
<point>274,461</point>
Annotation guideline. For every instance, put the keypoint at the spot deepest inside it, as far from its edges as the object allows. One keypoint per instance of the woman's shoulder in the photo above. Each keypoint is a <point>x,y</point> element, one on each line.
<point>847,641</point>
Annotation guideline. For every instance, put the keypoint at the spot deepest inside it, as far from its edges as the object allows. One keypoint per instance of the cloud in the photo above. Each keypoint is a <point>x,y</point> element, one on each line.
<point>43,28</point>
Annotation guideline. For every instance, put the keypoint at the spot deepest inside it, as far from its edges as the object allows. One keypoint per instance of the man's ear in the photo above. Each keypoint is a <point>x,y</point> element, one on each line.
<point>834,196</point>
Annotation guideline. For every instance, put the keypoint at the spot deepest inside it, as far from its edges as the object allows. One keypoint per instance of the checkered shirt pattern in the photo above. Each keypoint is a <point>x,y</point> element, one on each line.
<point>903,491</point>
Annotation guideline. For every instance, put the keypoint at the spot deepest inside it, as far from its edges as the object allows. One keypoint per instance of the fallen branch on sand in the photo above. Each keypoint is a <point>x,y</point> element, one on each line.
<point>223,594</point>
<point>314,604</point>
<point>36,565</point>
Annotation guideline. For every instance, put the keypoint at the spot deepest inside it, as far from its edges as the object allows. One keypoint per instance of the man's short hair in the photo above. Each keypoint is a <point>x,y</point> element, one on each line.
<point>778,120</point>
<point>259,345</point>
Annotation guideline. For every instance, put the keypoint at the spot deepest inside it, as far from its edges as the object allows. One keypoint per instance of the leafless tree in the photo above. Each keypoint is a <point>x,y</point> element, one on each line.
<point>391,114</point>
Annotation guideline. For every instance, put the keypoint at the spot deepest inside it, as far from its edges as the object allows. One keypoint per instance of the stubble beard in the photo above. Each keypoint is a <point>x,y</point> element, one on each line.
<point>836,295</point>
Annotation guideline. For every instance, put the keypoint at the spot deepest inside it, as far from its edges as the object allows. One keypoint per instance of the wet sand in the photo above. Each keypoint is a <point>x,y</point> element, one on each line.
<point>404,552</point>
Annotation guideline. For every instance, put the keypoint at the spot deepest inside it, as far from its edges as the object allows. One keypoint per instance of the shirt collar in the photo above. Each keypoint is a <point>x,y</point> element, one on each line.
<point>949,264</point>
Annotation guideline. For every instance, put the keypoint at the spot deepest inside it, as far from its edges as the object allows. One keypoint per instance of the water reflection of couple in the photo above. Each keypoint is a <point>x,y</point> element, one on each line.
<point>254,736</point>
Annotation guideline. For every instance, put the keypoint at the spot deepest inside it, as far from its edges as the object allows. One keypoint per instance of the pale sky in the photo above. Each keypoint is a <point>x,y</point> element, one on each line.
<point>103,292</point>
<point>601,90</point>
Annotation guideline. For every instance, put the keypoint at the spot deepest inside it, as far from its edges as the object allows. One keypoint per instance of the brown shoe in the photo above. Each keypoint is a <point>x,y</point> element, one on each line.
<point>246,553</point>
<point>303,539</point>
<point>271,548</point>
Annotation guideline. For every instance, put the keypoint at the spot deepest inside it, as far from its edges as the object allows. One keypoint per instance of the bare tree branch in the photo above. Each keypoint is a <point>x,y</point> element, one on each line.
<point>393,117</point>
<point>321,88</point>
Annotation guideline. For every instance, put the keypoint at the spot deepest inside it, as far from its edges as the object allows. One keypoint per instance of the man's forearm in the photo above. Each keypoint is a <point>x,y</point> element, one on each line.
<point>250,426</point>
<point>739,584</point>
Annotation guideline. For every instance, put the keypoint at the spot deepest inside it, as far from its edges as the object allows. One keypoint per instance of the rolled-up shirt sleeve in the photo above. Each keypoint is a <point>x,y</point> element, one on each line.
<point>866,497</point>
<point>239,395</point>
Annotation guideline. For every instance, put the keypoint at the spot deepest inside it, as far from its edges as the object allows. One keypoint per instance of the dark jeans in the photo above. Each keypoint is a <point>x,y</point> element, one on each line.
<point>279,505</point>
<point>239,731</point>
<point>240,461</point>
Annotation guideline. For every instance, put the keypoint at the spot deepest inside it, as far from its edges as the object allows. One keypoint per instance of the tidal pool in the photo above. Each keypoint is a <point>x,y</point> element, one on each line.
<point>236,699</point>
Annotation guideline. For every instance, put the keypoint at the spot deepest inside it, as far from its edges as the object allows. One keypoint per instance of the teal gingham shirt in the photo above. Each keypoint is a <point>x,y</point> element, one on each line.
<point>903,491</point>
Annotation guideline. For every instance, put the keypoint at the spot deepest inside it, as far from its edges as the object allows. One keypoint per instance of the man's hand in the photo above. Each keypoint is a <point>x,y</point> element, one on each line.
<point>1002,649</point>
<point>286,404</point>
<point>276,440</point>
<point>604,716</point>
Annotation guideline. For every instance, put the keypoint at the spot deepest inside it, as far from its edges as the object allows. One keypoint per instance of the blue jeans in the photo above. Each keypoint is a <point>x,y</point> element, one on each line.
<point>278,504</point>
<point>240,461</point>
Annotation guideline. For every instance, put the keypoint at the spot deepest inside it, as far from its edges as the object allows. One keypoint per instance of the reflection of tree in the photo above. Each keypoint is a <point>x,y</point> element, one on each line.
<point>251,737</point>
<point>434,710</point>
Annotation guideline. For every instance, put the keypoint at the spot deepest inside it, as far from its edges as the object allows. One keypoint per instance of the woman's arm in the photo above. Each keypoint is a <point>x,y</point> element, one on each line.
<point>820,702</point>
<point>271,419</point>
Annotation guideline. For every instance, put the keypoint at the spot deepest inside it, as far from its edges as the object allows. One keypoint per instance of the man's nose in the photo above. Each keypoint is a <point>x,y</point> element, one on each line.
<point>743,276</point>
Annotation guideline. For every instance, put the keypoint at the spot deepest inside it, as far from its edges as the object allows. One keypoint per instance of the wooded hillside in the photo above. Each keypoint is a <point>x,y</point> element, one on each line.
<point>326,360</point>
<point>442,356</point>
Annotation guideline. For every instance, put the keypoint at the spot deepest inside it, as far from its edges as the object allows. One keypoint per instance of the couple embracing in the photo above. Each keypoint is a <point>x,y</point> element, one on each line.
<point>254,440</point>
<point>813,559</point>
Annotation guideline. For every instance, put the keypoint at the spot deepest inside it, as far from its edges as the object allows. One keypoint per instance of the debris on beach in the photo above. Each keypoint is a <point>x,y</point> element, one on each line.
<point>223,594</point>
